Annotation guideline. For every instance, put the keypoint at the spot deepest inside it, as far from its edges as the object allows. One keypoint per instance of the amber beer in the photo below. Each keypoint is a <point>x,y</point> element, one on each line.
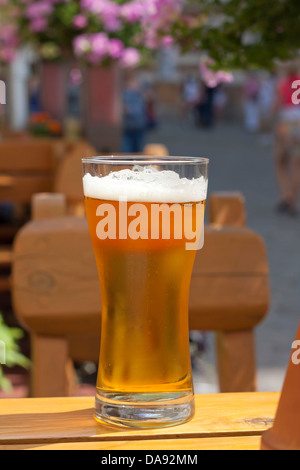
<point>145,251</point>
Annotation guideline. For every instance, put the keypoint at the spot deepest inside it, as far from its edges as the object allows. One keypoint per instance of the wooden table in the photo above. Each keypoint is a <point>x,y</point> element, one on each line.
<point>221,422</point>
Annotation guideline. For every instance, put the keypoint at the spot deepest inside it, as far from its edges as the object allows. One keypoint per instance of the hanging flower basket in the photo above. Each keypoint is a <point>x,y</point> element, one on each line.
<point>103,36</point>
<point>96,31</point>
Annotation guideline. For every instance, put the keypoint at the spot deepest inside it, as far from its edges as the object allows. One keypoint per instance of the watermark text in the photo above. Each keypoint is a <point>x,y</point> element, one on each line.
<point>2,353</point>
<point>155,221</point>
<point>296,94</point>
<point>2,92</point>
<point>296,353</point>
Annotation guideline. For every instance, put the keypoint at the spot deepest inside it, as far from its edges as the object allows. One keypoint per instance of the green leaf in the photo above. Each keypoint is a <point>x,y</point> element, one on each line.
<point>5,383</point>
<point>13,357</point>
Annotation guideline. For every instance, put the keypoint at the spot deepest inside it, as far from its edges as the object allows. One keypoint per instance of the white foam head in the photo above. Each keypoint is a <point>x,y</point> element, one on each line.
<point>145,184</point>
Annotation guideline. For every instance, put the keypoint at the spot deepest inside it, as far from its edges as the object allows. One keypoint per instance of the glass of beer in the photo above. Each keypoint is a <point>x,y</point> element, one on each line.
<point>146,223</point>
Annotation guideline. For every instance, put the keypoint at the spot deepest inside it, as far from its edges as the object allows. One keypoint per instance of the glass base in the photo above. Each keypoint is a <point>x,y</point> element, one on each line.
<point>144,410</point>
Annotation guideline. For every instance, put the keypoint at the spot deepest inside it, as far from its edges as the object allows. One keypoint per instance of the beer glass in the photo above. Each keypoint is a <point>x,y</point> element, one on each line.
<point>146,218</point>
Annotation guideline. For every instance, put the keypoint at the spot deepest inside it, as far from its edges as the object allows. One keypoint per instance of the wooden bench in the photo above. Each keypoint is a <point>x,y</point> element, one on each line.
<point>28,167</point>
<point>68,178</point>
<point>221,422</point>
<point>5,263</point>
<point>56,296</point>
<point>155,150</point>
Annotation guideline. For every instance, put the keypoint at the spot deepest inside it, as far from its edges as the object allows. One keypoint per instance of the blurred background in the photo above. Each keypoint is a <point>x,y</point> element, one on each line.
<point>123,75</point>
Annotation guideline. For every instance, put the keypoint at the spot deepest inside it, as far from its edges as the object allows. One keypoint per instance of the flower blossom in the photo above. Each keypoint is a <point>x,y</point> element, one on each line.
<point>80,21</point>
<point>211,77</point>
<point>39,9</point>
<point>107,10</point>
<point>124,27</point>
<point>9,42</point>
<point>81,45</point>
<point>115,48</point>
<point>37,25</point>
<point>130,57</point>
<point>99,44</point>
<point>132,11</point>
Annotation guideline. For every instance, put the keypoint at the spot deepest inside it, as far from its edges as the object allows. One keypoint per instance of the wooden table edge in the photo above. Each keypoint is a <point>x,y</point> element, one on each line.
<point>246,422</point>
<point>171,446</point>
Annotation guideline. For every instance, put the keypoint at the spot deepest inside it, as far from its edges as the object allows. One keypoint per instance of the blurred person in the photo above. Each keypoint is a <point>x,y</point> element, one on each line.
<point>134,117</point>
<point>2,120</point>
<point>287,143</point>
<point>150,97</point>
<point>266,99</point>
<point>6,208</point>
<point>34,92</point>
<point>251,108</point>
<point>191,95</point>
<point>220,100</point>
<point>74,83</point>
<point>205,107</point>
<point>72,124</point>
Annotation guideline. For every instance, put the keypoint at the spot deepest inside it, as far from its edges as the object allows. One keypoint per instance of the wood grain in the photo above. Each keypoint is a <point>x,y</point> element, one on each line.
<point>22,188</point>
<point>227,208</point>
<point>56,289</point>
<point>5,256</point>
<point>27,155</point>
<point>210,443</point>
<point>70,420</point>
<point>239,278</point>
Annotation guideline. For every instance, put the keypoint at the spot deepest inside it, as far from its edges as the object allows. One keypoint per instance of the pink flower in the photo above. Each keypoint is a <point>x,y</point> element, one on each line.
<point>38,9</point>
<point>38,25</point>
<point>211,77</point>
<point>108,12</point>
<point>93,6</point>
<point>115,48</point>
<point>155,18</point>
<point>80,21</point>
<point>130,57</point>
<point>99,44</point>
<point>132,11</point>
<point>7,31</point>
<point>81,44</point>
<point>9,42</point>
<point>151,39</point>
<point>110,16</point>
<point>98,7</point>
<point>111,23</point>
<point>7,54</point>
<point>167,41</point>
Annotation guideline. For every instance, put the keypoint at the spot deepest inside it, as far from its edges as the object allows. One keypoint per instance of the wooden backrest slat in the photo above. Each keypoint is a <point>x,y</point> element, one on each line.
<point>22,188</point>
<point>30,166</point>
<point>55,274</point>
<point>24,157</point>
<point>231,250</point>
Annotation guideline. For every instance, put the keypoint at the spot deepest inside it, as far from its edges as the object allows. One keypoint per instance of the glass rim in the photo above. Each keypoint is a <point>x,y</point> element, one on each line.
<point>145,160</point>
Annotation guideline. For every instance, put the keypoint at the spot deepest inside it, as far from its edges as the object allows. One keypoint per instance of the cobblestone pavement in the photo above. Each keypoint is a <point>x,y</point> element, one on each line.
<point>243,162</point>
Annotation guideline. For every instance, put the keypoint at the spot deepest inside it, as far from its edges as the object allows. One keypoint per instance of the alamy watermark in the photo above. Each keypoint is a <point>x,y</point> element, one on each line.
<point>2,101</point>
<point>137,221</point>
<point>296,353</point>
<point>296,94</point>
<point>2,353</point>
<point>2,92</point>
